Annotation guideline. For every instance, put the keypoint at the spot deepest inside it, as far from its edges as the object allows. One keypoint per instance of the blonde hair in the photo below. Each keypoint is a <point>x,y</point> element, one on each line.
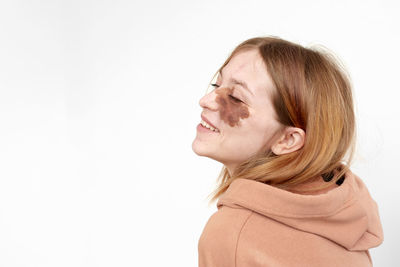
<point>312,92</point>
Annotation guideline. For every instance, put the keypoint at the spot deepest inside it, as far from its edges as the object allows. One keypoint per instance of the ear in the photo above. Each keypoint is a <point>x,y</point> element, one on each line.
<point>292,139</point>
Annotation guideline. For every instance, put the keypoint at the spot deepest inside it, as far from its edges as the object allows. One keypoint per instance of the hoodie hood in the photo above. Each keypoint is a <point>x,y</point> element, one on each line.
<point>346,215</point>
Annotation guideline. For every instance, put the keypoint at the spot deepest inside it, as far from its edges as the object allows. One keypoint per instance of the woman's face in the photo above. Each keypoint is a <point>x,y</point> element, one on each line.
<point>245,125</point>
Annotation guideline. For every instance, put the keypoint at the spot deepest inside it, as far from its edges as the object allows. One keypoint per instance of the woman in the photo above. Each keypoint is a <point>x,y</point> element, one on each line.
<point>280,119</point>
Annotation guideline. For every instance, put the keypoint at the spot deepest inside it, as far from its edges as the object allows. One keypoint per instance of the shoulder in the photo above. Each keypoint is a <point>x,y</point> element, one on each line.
<point>267,242</point>
<point>219,240</point>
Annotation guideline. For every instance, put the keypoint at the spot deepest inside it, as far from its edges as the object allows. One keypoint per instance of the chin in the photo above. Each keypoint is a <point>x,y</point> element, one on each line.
<point>202,150</point>
<point>198,149</point>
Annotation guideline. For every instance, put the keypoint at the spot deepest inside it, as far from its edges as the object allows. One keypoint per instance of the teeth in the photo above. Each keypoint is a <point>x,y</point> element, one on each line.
<point>205,124</point>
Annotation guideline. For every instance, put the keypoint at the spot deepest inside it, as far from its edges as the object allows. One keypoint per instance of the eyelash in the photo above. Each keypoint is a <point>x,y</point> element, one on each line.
<point>231,96</point>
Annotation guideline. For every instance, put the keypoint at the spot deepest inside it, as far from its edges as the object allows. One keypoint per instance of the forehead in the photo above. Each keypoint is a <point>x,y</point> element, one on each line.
<point>249,67</point>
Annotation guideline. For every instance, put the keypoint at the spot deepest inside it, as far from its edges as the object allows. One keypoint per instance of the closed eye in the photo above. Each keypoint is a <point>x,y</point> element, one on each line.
<point>231,96</point>
<point>235,99</point>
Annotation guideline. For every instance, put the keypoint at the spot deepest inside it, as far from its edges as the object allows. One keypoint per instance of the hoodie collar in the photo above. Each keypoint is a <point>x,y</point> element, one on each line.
<point>346,215</point>
<point>267,199</point>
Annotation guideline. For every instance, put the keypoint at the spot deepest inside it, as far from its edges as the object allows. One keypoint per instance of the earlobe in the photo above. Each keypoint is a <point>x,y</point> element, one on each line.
<point>292,139</point>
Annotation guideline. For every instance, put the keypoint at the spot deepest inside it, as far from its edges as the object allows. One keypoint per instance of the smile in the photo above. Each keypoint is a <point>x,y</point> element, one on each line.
<point>205,124</point>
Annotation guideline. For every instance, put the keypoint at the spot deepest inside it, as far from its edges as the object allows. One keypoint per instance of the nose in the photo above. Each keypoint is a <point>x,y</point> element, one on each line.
<point>208,101</point>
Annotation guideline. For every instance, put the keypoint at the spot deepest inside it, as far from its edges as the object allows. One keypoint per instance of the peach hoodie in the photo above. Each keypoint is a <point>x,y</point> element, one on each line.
<point>260,225</point>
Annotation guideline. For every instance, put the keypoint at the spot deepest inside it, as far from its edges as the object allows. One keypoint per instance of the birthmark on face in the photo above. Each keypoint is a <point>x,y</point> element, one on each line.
<point>230,110</point>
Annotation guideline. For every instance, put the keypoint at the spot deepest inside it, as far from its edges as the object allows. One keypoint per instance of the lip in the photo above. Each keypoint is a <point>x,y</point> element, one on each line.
<point>206,120</point>
<point>201,128</point>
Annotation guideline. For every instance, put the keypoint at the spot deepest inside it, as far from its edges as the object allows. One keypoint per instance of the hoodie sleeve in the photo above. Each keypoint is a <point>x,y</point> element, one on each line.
<point>218,242</point>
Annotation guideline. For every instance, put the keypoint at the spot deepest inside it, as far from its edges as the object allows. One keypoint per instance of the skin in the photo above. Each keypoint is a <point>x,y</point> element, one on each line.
<point>230,110</point>
<point>247,124</point>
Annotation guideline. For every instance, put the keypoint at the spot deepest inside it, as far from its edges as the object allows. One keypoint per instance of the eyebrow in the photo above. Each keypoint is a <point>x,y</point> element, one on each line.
<point>242,83</point>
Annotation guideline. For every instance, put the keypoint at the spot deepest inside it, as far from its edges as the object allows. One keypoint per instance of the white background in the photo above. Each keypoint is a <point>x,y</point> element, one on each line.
<point>99,107</point>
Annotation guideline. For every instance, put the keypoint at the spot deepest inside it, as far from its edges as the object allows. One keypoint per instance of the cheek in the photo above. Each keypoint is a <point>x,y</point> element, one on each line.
<point>231,112</point>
